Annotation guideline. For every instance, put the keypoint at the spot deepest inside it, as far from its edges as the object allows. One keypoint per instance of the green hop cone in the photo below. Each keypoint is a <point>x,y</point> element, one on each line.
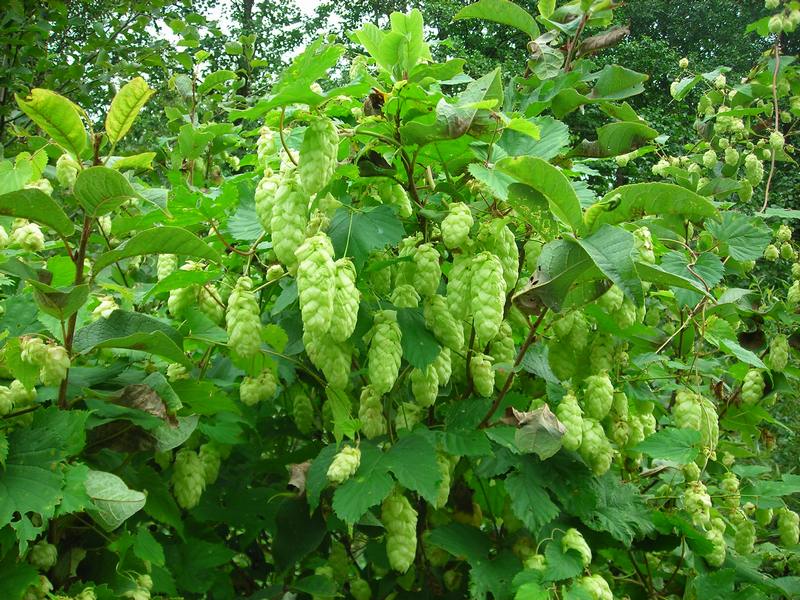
<point>788,527</point>
<point>210,303</point>
<point>380,280</point>
<point>709,159</point>
<point>188,478</point>
<point>787,251</point>
<point>400,521</point>
<point>408,414</point>
<point>488,296</point>
<point>753,169</point>
<point>425,385</point>
<point>405,296</point>
<point>318,155</point>
<point>697,503</point>
<point>182,300</point>
<point>7,400</point>
<point>253,390</point>
<point>443,365</point>
<point>360,589</point>
<point>459,287</point>
<point>771,252</point>
<point>693,411</point>
<point>302,412</point>
<point>752,387</point>
<point>601,355</point>
<point>440,320</point>
<point>54,366</point>
<point>370,413</point>
<point>729,487</point>
<point>571,416</point>
<point>599,396</point>
<point>43,556</point>
<point>385,352</point>
<point>561,358</point>
<point>316,284</point>
<point>427,271</point>
<point>345,302</point>
<point>393,194</point>
<point>574,540</point>
<point>456,225</point>
<point>243,319</point>
<point>764,516</point>
<point>783,234</point>
<point>499,240</point>
<point>596,586</point>
<point>333,358</point>
<point>716,535</point>
<point>33,350</point>
<point>265,195</point>
<point>793,295</point>
<point>595,448</point>
<point>503,352</point>
<point>731,156</point>
<point>289,220</point>
<point>67,170</point>
<point>744,540</point>
<point>611,301</point>
<point>166,265</point>
<point>643,243</point>
<point>480,367</point>
<point>344,465</point>
<point>778,352</point>
<point>445,470</point>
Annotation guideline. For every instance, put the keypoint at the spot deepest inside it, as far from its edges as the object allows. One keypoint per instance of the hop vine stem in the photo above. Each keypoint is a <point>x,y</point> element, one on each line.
<point>777,123</point>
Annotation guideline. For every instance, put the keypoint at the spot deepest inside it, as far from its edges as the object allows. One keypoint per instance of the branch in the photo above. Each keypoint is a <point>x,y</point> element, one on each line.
<point>776,112</point>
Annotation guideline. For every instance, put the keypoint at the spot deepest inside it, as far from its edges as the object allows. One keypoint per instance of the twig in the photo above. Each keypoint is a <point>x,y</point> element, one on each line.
<point>776,112</point>
<point>283,140</point>
<point>510,379</point>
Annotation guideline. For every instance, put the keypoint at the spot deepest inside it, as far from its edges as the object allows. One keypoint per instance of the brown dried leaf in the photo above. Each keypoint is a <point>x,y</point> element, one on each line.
<point>299,472</point>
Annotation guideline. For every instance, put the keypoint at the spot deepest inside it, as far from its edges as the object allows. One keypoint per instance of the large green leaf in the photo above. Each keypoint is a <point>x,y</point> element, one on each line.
<point>530,501</point>
<point>125,107</point>
<point>367,488</point>
<point>548,181</point>
<point>744,238</point>
<point>461,541</point>
<point>112,501</point>
<point>36,206</point>
<point>639,199</point>
<point>611,249</point>
<point>159,240</point>
<point>357,234</point>
<point>134,331</point>
<point>504,12</point>
<point>616,138</point>
<point>413,461</point>
<point>99,190</point>
<point>60,304</point>
<point>679,445</point>
<point>420,347</point>
<point>57,116</point>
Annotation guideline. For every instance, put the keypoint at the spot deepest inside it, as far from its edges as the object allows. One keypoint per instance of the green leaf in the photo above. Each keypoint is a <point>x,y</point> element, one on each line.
<point>180,279</point>
<point>244,224</point>
<point>316,478</point>
<point>616,83</point>
<point>618,509</point>
<point>159,240</point>
<point>721,334</point>
<point>135,331</point>
<point>359,233</point>
<point>3,448</point>
<point>215,80</point>
<point>614,139</point>
<point>16,577</point>
<point>60,304</point>
<point>560,564</point>
<point>673,444</point>
<point>546,7</point>
<point>112,501</point>
<point>504,12</point>
<point>27,373</point>
<point>125,107</point>
<point>548,181</point>
<point>318,586</point>
<point>461,541</point>
<point>143,160</point>
<point>100,190</point>
<point>147,548</point>
<point>32,479</point>
<point>611,249</point>
<point>657,275</point>
<point>639,199</point>
<point>553,138</point>
<point>367,488</point>
<point>413,461</point>
<point>492,578</point>
<point>566,276</point>
<point>705,269</point>
<point>743,238</point>
<point>37,206</point>
<point>420,347</point>
<point>530,501</point>
<point>57,116</point>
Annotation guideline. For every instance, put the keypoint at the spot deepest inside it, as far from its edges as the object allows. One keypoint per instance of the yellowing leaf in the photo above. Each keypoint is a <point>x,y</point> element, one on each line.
<point>125,108</point>
<point>59,117</point>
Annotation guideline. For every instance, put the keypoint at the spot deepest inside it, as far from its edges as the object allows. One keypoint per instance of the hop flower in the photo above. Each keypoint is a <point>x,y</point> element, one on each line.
<point>697,503</point>
<point>212,460</point>
<point>393,194</point>
<point>265,145</point>
<point>456,225</point>
<point>408,414</point>
<point>595,448</point>
<point>32,350</point>
<point>731,156</point>
<point>344,464</point>
<point>716,535</point>
<point>346,301</point>
<point>188,478</point>
<point>289,220</point>
<point>611,301</point>
<point>778,352</point>
<point>793,295</point>
<point>67,170</point>
<point>788,527</point>
<point>570,414</point>
<point>574,540</point>
<point>503,352</point>
<point>599,395</point>
<point>43,556</point>
<point>443,365</point>
<point>253,390</point>
<point>27,236</point>
<point>302,412</point>
<point>709,159</point>
<point>370,413</point>
<point>459,288</point>
<point>445,470</point>
<point>729,485</point>
<point>488,296</point>
<point>405,296</point>
<point>243,319</point>
<point>360,589</point>
<point>385,352</point>
<point>752,387</point>
<point>776,140</point>
<point>596,586</point>
<point>318,155</point>
<point>783,234</point>
<point>693,411</point>
<point>316,284</point>
<point>427,271</point>
<point>482,373</point>
<point>54,366</point>
<point>425,385</point>
<point>331,357</point>
<point>104,308</point>
<point>400,521</point>
<point>683,63</point>
<point>753,169</point>
<point>745,538</point>
<point>440,320</point>
<point>499,240</point>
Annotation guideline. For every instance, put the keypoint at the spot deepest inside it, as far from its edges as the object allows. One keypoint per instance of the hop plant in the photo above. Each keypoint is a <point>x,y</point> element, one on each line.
<point>43,556</point>
<point>445,471</point>
<point>788,527</point>
<point>405,296</point>
<point>709,159</point>
<point>443,365</point>
<point>787,251</point>
<point>400,521</point>
<point>105,307</point>
<point>693,411</point>
<point>754,169</point>
<point>595,448</point>
<point>210,303</point>
<point>500,241</point>
<point>265,145</point>
<point>318,155</point>
<point>408,414</point>
<point>188,478</point>
<point>601,355</point>
<point>764,516</point>
<point>316,284</point>
<point>302,412</point>
<point>752,387</point>
<point>346,301</point>
<point>427,271</point>
<point>503,352</point>
<point>385,352</point>
<point>611,301</point>
<point>32,350</point>
<point>697,503</point>
<point>67,170</point>
<point>440,320</point>
<point>596,586</point>
<point>54,366</point>
<point>212,461</point>
<point>574,540</point>
<point>561,358</point>
<point>456,225</point>
<point>599,396</point>
<point>783,234</point>
<point>771,252</point>
<point>360,589</point>
<point>793,295</point>
<point>289,220</point>
<point>488,296</point>
<point>425,385</point>
<point>393,194</point>
<point>480,367</point>
<point>716,535</point>
<point>744,539</point>
<point>27,236</point>
<point>253,390</point>
<point>458,287</point>
<point>778,352</point>
<point>570,414</point>
<point>265,195</point>
<point>243,319</point>
<point>729,486</point>
<point>370,413</point>
<point>344,465</point>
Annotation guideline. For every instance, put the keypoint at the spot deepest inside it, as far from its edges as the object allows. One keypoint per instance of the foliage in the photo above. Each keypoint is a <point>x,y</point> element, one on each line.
<point>388,331</point>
